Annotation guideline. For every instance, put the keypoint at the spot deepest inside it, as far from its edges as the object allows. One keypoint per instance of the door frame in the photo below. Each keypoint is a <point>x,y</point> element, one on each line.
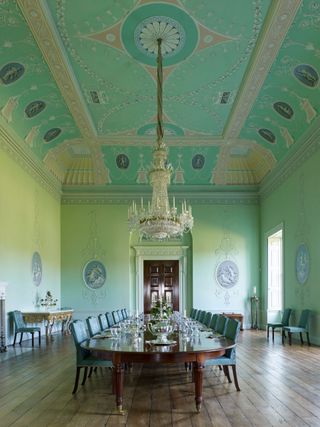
<point>163,253</point>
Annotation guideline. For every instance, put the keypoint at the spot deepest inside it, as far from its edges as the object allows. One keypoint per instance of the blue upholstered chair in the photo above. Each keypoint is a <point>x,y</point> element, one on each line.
<point>199,313</point>
<point>103,322</point>
<point>124,314</point>
<point>207,318</point>
<point>194,314</point>
<point>20,327</point>
<point>109,319</point>
<point>201,316</point>
<point>115,315</point>
<point>120,314</point>
<point>221,324</point>
<point>229,358</point>
<point>284,322</point>
<point>84,357</point>
<point>213,321</point>
<point>302,327</point>
<point>93,326</point>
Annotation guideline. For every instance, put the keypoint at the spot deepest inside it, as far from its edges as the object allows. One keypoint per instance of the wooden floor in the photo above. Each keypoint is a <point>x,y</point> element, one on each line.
<point>280,386</point>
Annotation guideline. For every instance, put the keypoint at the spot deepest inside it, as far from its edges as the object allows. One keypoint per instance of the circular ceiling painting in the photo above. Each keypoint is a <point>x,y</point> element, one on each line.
<point>146,24</point>
<point>227,274</point>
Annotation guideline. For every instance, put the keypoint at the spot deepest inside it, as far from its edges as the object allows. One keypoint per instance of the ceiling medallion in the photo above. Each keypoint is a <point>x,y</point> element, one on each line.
<point>159,221</point>
<point>151,29</point>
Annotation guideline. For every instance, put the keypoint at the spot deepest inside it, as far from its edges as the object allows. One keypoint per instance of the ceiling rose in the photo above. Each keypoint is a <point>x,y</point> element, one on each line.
<point>177,30</point>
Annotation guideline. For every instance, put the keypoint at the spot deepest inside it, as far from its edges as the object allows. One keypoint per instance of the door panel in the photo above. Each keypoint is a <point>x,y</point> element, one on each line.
<point>161,280</point>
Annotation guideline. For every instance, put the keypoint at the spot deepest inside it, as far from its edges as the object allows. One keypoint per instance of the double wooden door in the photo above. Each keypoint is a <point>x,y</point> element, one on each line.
<point>161,280</point>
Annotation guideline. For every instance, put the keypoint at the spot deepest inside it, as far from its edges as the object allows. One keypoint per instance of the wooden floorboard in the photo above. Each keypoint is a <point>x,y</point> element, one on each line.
<point>280,386</point>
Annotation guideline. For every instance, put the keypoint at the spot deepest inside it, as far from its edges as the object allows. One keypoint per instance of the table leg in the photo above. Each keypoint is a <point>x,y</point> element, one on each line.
<point>198,379</point>
<point>118,370</point>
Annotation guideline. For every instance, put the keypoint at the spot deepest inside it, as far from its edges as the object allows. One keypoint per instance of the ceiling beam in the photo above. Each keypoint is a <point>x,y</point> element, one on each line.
<point>280,17</point>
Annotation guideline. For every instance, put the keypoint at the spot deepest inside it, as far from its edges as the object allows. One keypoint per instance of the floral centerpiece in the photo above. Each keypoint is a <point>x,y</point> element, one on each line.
<point>48,300</point>
<point>161,310</point>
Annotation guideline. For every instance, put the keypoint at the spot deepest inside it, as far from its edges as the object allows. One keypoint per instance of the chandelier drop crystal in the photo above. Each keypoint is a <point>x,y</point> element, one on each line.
<point>159,221</point>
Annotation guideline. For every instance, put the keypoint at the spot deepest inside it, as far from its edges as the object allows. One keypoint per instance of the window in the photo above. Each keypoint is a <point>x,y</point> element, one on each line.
<point>275,272</point>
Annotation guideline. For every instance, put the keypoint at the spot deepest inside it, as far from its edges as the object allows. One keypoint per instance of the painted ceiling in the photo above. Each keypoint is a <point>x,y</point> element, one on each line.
<point>78,88</point>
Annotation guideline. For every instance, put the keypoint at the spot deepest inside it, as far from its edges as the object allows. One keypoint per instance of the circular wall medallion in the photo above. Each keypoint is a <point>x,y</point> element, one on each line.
<point>227,274</point>
<point>302,263</point>
<point>150,22</point>
<point>94,274</point>
<point>36,268</point>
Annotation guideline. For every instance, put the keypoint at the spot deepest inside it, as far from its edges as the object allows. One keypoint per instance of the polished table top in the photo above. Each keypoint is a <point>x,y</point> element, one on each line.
<point>193,350</point>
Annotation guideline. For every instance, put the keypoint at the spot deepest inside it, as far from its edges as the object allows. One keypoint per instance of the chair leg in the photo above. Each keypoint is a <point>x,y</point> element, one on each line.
<point>90,372</point>
<point>21,335</point>
<point>226,373</point>
<point>84,375</point>
<point>267,332</point>
<point>32,338</point>
<point>272,334</point>
<point>308,339</point>
<point>14,340</point>
<point>289,335</point>
<point>301,339</point>
<point>39,338</point>
<point>76,382</point>
<point>234,370</point>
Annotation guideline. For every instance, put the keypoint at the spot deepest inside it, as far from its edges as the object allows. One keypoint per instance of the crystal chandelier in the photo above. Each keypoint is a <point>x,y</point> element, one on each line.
<point>159,221</point>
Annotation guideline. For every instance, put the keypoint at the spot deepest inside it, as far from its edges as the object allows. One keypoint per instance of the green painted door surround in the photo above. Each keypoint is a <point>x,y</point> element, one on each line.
<point>296,204</point>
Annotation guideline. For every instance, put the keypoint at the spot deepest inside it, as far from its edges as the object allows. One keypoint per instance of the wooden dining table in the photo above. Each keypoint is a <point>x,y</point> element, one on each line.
<point>126,349</point>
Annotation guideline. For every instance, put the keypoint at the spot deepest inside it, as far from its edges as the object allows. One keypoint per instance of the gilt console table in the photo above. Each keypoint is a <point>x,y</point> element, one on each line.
<point>50,317</point>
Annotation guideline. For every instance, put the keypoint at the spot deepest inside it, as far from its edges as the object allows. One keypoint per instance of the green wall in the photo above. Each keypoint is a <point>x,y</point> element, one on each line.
<point>95,232</point>
<point>296,204</point>
<point>225,232</point>
<point>30,221</point>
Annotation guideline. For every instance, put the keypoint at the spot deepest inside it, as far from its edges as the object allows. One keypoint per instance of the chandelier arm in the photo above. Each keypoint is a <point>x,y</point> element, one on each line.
<point>159,94</point>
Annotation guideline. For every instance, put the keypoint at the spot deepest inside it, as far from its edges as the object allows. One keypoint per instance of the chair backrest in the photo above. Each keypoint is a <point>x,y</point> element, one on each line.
<point>124,313</point>
<point>79,334</point>
<point>115,315</point>
<point>18,320</point>
<point>192,312</point>
<point>198,314</point>
<point>232,331</point>
<point>286,316</point>
<point>195,314</point>
<point>120,314</point>
<point>202,315</point>
<point>109,319</point>
<point>213,321</point>
<point>221,324</point>
<point>207,318</point>
<point>103,322</point>
<point>93,326</point>
<point>304,318</point>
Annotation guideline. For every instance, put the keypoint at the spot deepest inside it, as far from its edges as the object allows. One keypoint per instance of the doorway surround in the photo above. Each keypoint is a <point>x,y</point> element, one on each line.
<point>159,253</point>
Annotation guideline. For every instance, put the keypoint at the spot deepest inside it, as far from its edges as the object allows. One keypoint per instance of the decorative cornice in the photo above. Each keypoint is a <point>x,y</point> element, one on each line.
<point>281,16</point>
<point>308,144</point>
<point>22,155</point>
<point>124,195</point>
<point>38,18</point>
